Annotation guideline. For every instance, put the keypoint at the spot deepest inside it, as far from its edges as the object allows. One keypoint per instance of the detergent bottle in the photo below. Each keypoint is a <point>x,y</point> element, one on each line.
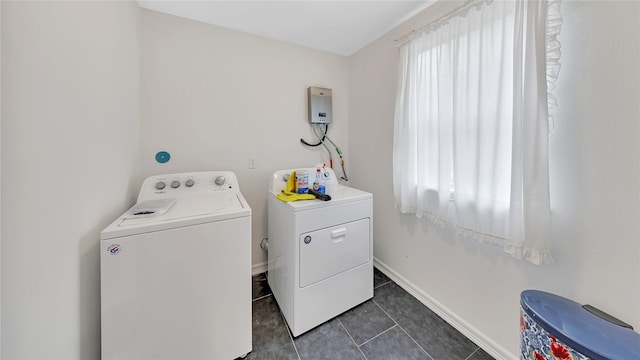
<point>302,177</point>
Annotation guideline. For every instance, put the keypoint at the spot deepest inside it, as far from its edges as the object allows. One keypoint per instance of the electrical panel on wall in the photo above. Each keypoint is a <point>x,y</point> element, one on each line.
<point>320,105</point>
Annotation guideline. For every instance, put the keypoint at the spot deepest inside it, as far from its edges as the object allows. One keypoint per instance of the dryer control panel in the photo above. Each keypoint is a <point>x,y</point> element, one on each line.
<point>187,184</point>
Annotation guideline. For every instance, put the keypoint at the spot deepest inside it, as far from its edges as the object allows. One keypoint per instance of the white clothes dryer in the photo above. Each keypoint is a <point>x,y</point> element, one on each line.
<point>320,254</point>
<point>176,271</point>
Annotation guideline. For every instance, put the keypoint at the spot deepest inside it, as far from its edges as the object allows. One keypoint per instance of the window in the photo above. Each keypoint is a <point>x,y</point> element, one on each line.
<point>472,117</point>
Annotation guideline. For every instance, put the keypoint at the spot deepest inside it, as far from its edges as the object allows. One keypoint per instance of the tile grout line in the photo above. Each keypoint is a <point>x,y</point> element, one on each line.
<point>379,307</point>
<point>403,330</point>
<point>295,348</point>
<point>383,284</point>
<point>382,333</point>
<point>471,355</point>
<point>352,340</point>
<point>415,342</point>
<point>261,297</point>
<point>359,347</point>
<point>420,346</point>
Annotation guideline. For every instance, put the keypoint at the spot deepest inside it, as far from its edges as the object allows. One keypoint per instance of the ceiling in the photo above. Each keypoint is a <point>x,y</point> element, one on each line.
<point>340,27</point>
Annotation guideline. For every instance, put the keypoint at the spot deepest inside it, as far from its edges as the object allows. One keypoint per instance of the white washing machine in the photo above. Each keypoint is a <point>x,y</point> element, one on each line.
<point>176,271</point>
<point>320,255</point>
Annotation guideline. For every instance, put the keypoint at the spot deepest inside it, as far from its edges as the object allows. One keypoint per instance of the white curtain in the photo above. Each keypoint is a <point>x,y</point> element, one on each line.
<point>472,122</point>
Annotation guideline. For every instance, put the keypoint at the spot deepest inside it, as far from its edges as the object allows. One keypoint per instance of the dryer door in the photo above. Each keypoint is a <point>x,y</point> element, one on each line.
<point>330,251</point>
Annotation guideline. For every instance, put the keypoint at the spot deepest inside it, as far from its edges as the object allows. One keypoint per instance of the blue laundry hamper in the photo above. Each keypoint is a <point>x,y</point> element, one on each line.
<point>556,328</point>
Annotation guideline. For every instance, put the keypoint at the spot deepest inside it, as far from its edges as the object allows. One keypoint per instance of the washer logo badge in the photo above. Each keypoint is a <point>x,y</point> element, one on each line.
<point>307,239</point>
<point>114,249</point>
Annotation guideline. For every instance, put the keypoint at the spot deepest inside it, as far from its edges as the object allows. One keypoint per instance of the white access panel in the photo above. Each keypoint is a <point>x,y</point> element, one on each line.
<point>165,293</point>
<point>330,251</point>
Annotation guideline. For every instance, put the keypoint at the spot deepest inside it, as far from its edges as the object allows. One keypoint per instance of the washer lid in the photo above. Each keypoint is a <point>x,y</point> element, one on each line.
<point>187,211</point>
<point>587,333</point>
<point>149,208</point>
<point>187,207</point>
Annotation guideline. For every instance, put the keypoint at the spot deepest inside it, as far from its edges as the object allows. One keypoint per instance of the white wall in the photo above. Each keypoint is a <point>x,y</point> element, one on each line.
<point>72,159</point>
<point>214,97</point>
<point>595,184</point>
<point>70,126</point>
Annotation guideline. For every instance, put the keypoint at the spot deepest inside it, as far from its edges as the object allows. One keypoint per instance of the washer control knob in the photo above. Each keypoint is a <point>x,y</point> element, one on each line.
<point>220,180</point>
<point>189,183</point>
<point>175,184</point>
<point>160,185</point>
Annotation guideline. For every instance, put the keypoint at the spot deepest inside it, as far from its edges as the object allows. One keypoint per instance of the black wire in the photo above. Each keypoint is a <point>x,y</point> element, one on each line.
<point>326,128</point>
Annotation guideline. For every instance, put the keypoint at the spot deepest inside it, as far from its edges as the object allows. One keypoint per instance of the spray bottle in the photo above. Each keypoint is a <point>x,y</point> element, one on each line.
<point>318,182</point>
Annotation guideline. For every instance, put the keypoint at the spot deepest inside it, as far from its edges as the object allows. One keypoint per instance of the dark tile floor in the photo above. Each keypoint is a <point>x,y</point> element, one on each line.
<point>391,326</point>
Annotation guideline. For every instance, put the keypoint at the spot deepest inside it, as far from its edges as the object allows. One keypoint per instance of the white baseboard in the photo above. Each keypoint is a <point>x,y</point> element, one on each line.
<point>484,342</point>
<point>258,268</point>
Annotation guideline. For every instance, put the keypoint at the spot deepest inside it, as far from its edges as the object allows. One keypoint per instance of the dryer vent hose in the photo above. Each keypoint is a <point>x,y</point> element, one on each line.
<point>264,244</point>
